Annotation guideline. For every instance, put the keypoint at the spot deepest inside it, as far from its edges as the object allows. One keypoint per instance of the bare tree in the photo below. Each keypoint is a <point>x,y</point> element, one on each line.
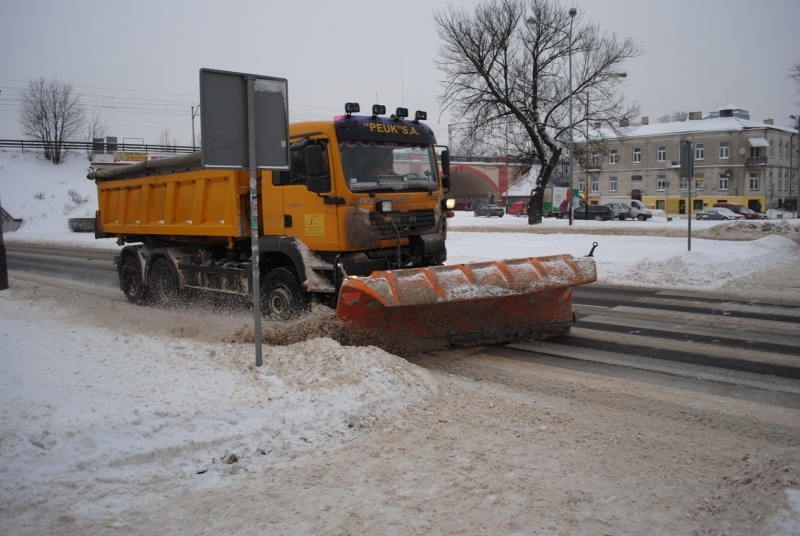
<point>96,127</point>
<point>51,113</point>
<point>167,139</point>
<point>673,117</point>
<point>510,79</point>
<point>794,74</point>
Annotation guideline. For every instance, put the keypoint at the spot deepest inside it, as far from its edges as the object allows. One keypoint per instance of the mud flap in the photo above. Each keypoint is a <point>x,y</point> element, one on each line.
<point>467,304</point>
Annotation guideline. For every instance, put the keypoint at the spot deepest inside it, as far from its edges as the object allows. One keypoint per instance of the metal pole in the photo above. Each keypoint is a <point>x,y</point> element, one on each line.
<point>3,260</point>
<point>586,159</point>
<point>794,156</point>
<point>572,13</point>
<point>254,227</point>
<point>193,128</point>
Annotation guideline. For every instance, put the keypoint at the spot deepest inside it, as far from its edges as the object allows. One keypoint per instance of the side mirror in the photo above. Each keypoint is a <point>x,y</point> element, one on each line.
<point>446,163</point>
<point>318,185</point>
<point>446,170</point>
<point>313,158</point>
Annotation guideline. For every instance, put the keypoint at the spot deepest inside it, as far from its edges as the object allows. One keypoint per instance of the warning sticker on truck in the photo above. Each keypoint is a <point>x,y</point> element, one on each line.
<point>315,224</point>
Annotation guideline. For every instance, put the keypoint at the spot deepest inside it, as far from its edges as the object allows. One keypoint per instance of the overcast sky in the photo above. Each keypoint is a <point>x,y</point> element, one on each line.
<point>141,60</point>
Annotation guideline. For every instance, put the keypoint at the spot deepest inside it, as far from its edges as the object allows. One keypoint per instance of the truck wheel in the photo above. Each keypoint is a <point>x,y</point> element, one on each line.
<point>282,296</point>
<point>164,283</point>
<point>130,280</point>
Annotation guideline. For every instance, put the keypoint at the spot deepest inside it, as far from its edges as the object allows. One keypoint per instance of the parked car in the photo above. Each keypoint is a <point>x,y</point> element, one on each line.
<point>594,212</point>
<point>621,210</point>
<point>718,213</point>
<point>461,206</point>
<point>747,213</point>
<point>638,210</point>
<point>489,211</point>
<point>518,208</point>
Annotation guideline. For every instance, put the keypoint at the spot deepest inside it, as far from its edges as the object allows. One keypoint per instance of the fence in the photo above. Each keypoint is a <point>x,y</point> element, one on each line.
<point>35,145</point>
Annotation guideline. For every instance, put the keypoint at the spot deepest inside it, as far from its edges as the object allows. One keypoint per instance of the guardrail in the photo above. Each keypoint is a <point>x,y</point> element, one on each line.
<point>96,148</point>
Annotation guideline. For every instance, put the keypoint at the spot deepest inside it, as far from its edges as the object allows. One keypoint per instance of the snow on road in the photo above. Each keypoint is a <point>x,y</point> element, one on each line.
<point>107,408</point>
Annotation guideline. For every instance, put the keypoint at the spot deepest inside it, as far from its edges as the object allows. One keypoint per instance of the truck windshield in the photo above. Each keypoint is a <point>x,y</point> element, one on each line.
<point>372,166</point>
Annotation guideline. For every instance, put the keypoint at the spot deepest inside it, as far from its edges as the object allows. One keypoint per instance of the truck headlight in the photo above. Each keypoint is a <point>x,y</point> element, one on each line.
<point>383,206</point>
<point>450,204</point>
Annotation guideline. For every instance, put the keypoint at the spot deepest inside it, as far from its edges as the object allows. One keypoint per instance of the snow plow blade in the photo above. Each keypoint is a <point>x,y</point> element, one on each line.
<point>466,304</point>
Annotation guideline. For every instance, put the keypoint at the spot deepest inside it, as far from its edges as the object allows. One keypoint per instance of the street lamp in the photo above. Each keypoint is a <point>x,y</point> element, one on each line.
<point>532,21</point>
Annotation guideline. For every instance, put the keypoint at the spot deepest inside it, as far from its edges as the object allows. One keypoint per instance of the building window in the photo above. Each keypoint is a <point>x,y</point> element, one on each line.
<point>754,180</point>
<point>780,181</point>
<point>684,184</point>
<point>771,149</point>
<point>637,155</point>
<point>699,151</point>
<point>581,184</point>
<point>661,183</point>
<point>662,153</point>
<point>595,184</point>
<point>698,184</point>
<point>636,177</point>
<point>595,160</point>
<point>755,152</point>
<point>613,157</point>
<point>780,150</point>
<point>612,184</point>
<point>724,150</point>
<point>723,182</point>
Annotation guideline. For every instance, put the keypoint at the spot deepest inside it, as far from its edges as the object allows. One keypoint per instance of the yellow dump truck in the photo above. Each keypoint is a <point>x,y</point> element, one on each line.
<point>358,223</point>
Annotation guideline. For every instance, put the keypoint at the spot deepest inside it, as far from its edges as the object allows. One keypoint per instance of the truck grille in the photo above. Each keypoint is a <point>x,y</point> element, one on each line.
<point>407,223</point>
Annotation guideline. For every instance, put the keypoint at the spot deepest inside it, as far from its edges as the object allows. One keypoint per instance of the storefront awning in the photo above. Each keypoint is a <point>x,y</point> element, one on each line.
<point>758,142</point>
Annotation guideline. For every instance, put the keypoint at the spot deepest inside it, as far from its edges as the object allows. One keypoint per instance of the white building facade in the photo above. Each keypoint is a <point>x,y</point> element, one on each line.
<point>735,160</point>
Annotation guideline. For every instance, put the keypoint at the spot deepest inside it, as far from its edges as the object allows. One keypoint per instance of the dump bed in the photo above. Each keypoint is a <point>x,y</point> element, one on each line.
<point>173,196</point>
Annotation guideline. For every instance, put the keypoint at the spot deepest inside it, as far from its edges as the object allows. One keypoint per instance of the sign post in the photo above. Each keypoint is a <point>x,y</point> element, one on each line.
<point>245,124</point>
<point>687,172</point>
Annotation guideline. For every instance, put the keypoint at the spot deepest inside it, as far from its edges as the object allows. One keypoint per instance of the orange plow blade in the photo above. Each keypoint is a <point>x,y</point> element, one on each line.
<point>466,304</point>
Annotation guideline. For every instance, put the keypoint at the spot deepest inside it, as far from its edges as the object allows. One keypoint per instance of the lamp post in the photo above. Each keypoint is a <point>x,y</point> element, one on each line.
<point>532,21</point>
<point>587,155</point>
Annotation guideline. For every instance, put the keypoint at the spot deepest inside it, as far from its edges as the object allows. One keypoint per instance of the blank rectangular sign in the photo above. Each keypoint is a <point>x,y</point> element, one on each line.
<point>224,117</point>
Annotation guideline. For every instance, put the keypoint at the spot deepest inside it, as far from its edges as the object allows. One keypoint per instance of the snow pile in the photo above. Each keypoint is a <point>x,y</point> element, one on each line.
<point>44,195</point>
<point>119,417</point>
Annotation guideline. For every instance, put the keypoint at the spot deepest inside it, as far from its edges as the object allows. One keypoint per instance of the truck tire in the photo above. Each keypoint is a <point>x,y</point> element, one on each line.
<point>163,282</point>
<point>282,295</point>
<point>130,280</point>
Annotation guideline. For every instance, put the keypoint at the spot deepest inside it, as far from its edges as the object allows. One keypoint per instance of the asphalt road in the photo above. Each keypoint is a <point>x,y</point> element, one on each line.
<point>701,341</point>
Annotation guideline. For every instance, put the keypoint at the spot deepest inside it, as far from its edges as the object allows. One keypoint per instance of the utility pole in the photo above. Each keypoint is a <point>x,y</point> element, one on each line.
<point>195,111</point>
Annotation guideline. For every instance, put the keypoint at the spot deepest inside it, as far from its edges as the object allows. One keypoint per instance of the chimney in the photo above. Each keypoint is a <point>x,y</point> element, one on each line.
<point>769,122</point>
<point>695,116</point>
<point>645,120</point>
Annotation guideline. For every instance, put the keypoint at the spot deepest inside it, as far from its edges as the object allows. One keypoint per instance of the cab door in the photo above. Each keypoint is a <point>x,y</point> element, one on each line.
<point>309,216</point>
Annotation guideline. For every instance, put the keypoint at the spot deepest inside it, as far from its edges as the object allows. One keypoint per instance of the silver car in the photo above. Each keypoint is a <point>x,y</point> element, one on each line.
<point>718,213</point>
<point>621,210</point>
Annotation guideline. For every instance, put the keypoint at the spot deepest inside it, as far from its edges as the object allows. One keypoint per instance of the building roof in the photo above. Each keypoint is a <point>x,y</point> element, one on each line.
<point>694,126</point>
